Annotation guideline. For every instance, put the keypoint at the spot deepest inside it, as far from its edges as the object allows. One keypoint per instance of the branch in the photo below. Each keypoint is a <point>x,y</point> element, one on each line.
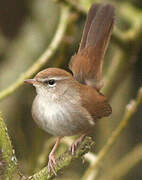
<point>130,110</point>
<point>43,59</point>
<point>118,70</point>
<point>41,161</point>
<point>127,11</point>
<point>75,6</point>
<point>128,41</point>
<point>8,162</point>
<point>125,164</point>
<point>89,157</point>
<point>64,160</point>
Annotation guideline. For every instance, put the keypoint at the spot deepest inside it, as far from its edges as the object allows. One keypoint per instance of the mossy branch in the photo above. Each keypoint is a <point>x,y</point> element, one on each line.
<point>64,160</point>
<point>8,162</point>
<point>43,59</point>
<point>41,160</point>
<point>130,110</point>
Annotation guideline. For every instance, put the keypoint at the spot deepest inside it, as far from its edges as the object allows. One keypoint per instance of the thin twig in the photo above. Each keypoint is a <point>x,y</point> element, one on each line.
<point>128,11</point>
<point>43,59</point>
<point>117,72</point>
<point>125,164</point>
<point>128,42</point>
<point>130,110</point>
<point>75,5</point>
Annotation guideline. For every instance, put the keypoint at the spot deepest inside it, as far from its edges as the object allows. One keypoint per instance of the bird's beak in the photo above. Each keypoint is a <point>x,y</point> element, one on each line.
<point>30,81</point>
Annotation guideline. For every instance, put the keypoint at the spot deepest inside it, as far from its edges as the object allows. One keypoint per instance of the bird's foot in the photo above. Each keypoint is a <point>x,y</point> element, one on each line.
<point>52,163</point>
<point>75,144</point>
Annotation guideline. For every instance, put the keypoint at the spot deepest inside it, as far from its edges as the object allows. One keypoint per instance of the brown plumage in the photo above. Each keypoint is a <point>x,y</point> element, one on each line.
<point>93,45</point>
<point>67,105</point>
<point>91,14</point>
<point>95,102</point>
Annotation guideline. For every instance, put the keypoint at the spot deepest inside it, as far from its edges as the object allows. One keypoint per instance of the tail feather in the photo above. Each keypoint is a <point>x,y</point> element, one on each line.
<point>92,13</point>
<point>86,65</point>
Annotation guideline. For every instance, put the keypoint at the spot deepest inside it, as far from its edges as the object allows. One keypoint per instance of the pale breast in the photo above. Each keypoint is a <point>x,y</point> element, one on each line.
<point>60,118</point>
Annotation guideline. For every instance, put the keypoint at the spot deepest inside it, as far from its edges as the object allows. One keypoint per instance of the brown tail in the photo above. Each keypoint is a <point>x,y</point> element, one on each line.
<point>91,14</point>
<point>86,65</point>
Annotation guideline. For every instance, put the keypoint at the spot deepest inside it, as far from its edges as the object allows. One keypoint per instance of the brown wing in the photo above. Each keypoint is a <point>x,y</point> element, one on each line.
<point>86,65</point>
<point>96,103</point>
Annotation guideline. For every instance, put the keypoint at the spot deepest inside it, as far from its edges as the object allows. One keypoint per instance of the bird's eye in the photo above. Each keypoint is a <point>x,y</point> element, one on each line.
<point>50,82</point>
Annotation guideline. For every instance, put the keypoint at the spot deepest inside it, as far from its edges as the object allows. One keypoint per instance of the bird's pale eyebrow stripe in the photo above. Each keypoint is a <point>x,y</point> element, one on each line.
<point>56,78</point>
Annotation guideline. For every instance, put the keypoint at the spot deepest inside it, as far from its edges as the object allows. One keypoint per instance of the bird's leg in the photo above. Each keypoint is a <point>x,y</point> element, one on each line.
<point>52,160</point>
<point>76,142</point>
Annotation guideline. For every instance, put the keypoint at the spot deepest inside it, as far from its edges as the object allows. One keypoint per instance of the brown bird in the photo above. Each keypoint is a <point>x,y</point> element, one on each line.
<point>67,105</point>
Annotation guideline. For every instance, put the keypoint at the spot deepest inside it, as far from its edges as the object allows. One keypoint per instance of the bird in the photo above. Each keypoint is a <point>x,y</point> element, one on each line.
<point>67,103</point>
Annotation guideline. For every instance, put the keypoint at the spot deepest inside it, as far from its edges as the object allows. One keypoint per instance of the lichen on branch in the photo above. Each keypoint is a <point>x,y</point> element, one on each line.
<point>65,159</point>
<point>8,161</point>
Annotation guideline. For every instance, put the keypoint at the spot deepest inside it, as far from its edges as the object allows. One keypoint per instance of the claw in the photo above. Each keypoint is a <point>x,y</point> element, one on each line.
<point>52,161</point>
<point>51,164</point>
<point>72,148</point>
<point>75,144</point>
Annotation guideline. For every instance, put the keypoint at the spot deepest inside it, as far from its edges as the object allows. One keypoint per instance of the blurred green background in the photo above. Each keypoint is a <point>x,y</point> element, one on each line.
<point>26,29</point>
